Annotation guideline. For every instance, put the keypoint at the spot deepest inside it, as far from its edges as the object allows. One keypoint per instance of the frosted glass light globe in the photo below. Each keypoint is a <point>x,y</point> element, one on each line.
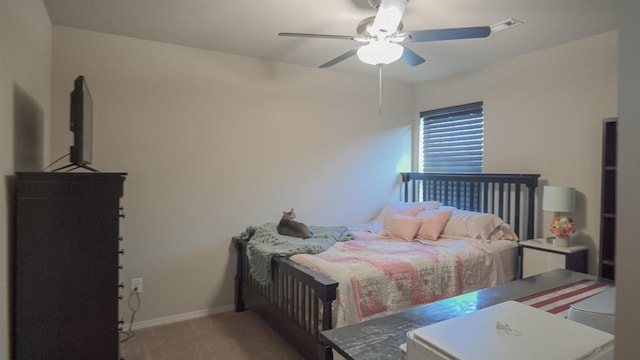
<point>380,52</point>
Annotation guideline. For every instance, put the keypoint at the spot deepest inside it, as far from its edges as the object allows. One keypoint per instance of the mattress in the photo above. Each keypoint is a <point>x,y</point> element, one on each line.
<point>508,252</point>
<point>378,276</point>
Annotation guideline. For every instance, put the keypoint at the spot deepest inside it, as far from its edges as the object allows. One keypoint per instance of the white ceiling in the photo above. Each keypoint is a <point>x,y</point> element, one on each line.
<point>250,28</point>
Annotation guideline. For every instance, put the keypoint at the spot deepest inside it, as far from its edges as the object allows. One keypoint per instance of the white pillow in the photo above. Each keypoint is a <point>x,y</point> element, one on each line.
<point>503,232</point>
<point>402,227</point>
<point>471,224</point>
<point>433,221</point>
<point>404,208</point>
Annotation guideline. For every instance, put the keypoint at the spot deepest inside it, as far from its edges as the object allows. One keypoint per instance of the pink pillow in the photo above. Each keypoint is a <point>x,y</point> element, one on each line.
<point>471,224</point>
<point>404,208</point>
<point>433,222</point>
<point>402,227</point>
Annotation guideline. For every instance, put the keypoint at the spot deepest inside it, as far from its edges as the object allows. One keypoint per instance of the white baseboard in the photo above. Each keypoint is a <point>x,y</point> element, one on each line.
<point>179,317</point>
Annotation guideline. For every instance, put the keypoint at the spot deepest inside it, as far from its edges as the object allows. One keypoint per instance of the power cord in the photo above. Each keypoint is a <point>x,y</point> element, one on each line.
<point>129,334</point>
<point>56,160</point>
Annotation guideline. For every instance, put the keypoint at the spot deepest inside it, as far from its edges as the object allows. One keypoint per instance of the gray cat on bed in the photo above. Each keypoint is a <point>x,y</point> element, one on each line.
<point>290,227</point>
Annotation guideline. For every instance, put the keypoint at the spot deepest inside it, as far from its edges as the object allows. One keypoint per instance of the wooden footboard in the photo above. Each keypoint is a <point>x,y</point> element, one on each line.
<point>297,302</point>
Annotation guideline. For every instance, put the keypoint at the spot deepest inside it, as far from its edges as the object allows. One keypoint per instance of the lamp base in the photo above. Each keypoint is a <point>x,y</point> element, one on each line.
<point>562,241</point>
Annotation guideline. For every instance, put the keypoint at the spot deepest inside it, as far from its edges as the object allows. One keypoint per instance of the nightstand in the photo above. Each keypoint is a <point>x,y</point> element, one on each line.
<point>539,256</point>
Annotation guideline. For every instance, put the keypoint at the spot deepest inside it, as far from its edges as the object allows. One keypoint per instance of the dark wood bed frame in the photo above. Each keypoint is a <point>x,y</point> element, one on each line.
<point>298,301</point>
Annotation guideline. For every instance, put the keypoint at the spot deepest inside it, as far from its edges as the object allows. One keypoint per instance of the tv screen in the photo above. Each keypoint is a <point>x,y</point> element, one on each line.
<point>81,123</point>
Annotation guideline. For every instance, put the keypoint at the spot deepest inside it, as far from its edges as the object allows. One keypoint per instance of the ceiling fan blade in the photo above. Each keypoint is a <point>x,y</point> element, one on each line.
<point>340,58</point>
<point>388,17</point>
<point>448,34</point>
<point>322,36</point>
<point>410,58</point>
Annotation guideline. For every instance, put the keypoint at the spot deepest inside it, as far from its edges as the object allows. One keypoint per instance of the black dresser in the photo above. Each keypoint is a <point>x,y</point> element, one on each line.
<point>66,257</point>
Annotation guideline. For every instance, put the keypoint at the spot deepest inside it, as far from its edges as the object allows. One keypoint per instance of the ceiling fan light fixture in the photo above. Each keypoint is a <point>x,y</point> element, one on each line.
<point>382,39</point>
<point>380,52</point>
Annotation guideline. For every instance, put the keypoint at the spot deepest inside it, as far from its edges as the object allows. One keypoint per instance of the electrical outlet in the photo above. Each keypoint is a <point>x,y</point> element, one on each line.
<point>136,284</point>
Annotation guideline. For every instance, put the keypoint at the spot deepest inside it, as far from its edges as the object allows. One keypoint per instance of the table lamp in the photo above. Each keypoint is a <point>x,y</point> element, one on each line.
<point>560,199</point>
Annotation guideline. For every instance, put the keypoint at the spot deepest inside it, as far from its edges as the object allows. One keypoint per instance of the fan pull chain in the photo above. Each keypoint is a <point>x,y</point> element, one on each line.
<point>380,89</point>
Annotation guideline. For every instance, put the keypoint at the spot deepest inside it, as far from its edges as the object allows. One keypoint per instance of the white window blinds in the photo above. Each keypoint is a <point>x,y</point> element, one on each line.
<point>452,139</point>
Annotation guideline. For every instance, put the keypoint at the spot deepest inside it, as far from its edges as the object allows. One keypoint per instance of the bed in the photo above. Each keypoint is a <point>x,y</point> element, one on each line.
<point>303,297</point>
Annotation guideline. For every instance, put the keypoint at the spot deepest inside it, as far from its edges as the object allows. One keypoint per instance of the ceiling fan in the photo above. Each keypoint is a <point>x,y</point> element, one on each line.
<point>383,34</point>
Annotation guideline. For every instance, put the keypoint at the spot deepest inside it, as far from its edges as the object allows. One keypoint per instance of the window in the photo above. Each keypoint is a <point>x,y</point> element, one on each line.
<point>452,139</point>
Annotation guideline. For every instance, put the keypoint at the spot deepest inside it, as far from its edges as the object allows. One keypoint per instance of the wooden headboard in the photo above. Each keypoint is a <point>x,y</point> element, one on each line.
<point>510,196</point>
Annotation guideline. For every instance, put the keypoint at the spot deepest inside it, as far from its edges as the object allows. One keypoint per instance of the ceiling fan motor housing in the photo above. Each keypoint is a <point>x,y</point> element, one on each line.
<point>365,27</point>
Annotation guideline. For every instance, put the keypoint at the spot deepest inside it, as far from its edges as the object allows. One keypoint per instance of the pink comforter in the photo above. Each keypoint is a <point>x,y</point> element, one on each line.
<point>378,276</point>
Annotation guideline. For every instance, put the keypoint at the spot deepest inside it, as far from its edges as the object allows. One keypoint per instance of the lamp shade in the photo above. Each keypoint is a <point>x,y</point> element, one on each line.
<point>558,198</point>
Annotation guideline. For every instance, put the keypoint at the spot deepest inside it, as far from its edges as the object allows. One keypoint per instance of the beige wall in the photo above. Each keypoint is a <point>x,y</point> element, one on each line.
<point>213,143</point>
<point>191,126</point>
<point>543,114</point>
<point>25,63</point>
<point>627,244</point>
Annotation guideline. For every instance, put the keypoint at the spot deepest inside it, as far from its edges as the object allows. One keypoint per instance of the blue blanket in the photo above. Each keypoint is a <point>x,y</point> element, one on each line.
<point>265,243</point>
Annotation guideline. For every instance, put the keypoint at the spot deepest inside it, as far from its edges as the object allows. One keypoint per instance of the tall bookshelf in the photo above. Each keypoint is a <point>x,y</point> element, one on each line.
<point>608,199</point>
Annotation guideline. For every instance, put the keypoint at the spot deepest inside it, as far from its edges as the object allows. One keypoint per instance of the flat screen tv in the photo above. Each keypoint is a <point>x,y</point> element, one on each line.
<point>81,124</point>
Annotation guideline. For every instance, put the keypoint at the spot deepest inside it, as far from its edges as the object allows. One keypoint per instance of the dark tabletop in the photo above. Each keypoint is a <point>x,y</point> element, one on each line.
<point>381,338</point>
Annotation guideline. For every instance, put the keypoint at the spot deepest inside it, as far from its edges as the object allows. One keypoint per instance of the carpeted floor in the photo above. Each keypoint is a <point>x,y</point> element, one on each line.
<point>234,336</point>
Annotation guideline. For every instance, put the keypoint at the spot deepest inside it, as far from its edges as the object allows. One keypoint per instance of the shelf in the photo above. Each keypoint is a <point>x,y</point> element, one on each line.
<point>542,244</point>
<point>608,199</point>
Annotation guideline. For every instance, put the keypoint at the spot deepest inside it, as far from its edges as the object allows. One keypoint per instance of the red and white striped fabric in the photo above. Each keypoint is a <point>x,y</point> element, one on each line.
<point>558,300</point>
